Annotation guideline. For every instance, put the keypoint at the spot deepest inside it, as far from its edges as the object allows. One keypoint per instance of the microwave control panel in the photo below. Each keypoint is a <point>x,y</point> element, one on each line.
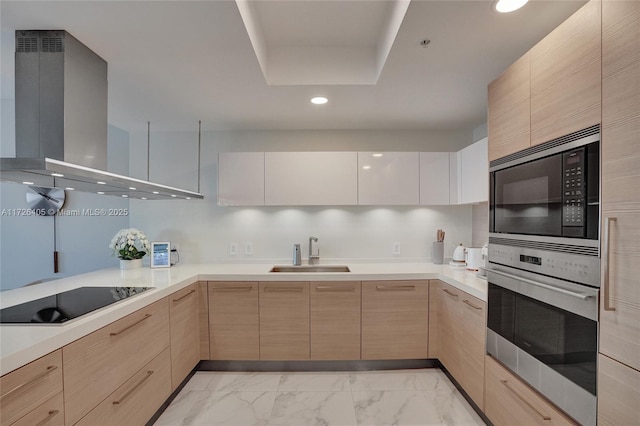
<point>574,197</point>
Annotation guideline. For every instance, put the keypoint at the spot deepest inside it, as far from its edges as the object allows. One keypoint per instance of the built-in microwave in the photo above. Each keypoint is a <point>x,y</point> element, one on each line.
<point>548,190</point>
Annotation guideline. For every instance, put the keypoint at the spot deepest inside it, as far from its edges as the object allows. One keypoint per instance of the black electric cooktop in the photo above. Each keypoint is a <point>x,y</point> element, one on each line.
<point>62,307</point>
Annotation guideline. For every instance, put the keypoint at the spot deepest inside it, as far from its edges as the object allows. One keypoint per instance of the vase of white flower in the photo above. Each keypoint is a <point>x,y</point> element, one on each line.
<point>130,245</point>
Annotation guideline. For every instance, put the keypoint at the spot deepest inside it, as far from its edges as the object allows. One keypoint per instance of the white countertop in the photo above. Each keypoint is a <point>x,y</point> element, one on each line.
<point>21,344</point>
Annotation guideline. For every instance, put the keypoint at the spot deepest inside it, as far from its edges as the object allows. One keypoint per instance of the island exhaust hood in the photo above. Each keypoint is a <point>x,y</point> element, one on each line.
<point>61,121</point>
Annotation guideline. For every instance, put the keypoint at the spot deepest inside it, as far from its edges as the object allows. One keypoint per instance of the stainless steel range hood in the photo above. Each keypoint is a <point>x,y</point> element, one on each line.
<point>61,121</point>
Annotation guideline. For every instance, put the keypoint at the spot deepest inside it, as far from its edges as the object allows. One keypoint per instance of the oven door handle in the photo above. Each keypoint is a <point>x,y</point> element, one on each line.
<point>581,296</point>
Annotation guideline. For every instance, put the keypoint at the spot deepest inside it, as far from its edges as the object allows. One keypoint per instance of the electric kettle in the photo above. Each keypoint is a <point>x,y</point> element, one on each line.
<point>458,260</point>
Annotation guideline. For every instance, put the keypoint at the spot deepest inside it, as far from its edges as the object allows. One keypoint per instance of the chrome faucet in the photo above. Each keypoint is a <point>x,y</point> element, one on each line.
<point>313,259</point>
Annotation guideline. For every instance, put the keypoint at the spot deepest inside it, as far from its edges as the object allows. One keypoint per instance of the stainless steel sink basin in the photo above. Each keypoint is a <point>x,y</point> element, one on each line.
<point>310,268</point>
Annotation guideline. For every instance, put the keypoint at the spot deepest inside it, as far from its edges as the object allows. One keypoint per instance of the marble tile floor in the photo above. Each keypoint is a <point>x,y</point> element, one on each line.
<point>384,398</point>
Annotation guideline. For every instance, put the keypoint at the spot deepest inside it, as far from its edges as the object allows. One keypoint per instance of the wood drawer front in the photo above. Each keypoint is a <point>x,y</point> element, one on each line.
<point>618,393</point>
<point>234,322</point>
<point>335,320</point>
<point>474,322</point>
<point>509,110</point>
<point>50,413</point>
<point>24,389</point>
<point>566,76</point>
<point>185,337</point>
<point>509,401</point>
<point>284,320</point>
<point>99,363</point>
<point>395,319</point>
<point>138,398</point>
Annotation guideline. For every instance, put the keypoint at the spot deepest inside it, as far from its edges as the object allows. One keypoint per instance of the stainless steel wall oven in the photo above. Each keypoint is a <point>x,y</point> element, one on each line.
<point>544,269</point>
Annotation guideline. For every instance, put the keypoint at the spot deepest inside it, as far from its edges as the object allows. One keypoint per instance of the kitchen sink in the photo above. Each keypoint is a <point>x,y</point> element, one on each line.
<point>310,268</point>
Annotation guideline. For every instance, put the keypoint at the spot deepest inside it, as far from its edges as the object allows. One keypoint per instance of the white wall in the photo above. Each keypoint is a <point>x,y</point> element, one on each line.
<point>204,230</point>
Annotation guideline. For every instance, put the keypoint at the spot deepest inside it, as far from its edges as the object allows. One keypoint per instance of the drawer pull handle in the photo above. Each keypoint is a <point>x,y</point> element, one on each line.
<point>182,297</point>
<point>234,288</point>
<point>147,316</point>
<point>606,286</point>
<point>31,381</point>
<point>133,389</point>
<point>283,289</point>
<point>478,308</point>
<point>395,287</point>
<point>543,416</point>
<point>449,293</point>
<point>336,289</point>
<point>52,414</point>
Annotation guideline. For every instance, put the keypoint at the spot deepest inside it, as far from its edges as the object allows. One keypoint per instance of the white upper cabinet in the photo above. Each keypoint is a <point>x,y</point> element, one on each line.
<point>474,173</point>
<point>310,178</point>
<point>388,178</point>
<point>241,179</point>
<point>434,178</point>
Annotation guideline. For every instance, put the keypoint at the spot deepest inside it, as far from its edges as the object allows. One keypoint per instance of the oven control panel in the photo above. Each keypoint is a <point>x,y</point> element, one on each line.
<point>577,268</point>
<point>574,192</point>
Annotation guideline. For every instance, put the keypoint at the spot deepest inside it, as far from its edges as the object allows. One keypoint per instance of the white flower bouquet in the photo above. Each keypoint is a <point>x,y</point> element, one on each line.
<point>129,244</point>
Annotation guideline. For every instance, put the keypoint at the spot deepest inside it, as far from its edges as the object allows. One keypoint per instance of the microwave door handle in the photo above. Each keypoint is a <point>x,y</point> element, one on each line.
<point>542,285</point>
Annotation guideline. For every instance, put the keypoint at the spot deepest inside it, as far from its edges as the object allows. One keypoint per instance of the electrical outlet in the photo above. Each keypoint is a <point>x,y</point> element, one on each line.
<point>233,249</point>
<point>248,248</point>
<point>395,248</point>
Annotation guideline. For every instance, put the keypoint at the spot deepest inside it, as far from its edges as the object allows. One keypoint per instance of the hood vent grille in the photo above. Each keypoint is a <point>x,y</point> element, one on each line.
<point>26,44</point>
<point>52,44</point>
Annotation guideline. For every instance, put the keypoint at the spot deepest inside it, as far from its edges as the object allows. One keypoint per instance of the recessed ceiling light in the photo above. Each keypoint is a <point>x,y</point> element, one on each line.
<point>366,167</point>
<point>68,188</point>
<point>101,183</point>
<point>132,188</point>
<point>504,6</point>
<point>188,198</point>
<point>173,195</point>
<point>155,192</point>
<point>125,196</point>
<point>319,100</point>
<point>100,192</point>
<point>57,175</point>
<point>28,183</point>
<point>143,198</point>
<point>377,154</point>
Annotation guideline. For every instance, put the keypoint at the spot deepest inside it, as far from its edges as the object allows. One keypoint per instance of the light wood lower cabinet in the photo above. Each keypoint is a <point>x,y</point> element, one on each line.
<point>618,393</point>
<point>203,319</point>
<point>234,321</point>
<point>185,333</point>
<point>99,363</point>
<point>457,329</point>
<point>474,328</point>
<point>335,320</point>
<point>24,390</point>
<point>509,401</point>
<point>135,401</point>
<point>284,320</point>
<point>50,413</point>
<point>395,319</point>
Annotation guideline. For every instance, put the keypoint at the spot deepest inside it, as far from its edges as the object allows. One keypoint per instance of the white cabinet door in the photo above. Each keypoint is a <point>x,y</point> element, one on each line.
<point>454,177</point>
<point>474,173</point>
<point>241,179</point>
<point>311,178</point>
<point>434,178</point>
<point>388,178</point>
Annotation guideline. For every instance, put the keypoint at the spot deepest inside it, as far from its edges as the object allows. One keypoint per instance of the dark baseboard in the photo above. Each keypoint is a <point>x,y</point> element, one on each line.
<point>353,365</point>
<point>466,396</point>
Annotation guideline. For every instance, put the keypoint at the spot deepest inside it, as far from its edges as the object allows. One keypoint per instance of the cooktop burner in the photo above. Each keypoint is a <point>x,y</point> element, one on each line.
<point>62,307</point>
